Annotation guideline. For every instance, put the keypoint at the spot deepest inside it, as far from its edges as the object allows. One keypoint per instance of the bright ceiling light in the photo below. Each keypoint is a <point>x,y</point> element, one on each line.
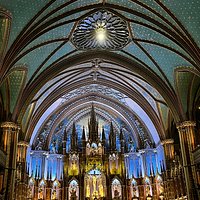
<point>101,34</point>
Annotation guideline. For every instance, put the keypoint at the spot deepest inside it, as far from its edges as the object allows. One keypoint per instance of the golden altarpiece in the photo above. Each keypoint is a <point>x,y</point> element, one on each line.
<point>98,166</point>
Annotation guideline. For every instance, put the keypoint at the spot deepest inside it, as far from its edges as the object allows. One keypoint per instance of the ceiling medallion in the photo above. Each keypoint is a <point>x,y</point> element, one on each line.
<point>101,30</point>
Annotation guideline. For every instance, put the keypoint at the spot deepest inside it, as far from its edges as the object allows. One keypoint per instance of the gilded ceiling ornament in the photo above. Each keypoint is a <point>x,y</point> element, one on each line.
<point>101,30</point>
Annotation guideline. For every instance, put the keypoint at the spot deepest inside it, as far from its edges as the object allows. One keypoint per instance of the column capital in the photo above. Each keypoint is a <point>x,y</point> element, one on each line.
<point>9,125</point>
<point>185,124</point>
<point>167,141</point>
<point>23,143</point>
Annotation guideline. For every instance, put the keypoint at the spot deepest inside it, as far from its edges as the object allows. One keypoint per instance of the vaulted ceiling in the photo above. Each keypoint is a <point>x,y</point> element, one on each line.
<point>149,65</point>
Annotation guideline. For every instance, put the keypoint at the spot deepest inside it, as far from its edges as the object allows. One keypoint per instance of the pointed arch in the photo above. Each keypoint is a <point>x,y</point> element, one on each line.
<point>134,188</point>
<point>159,184</point>
<point>73,189</point>
<point>41,189</point>
<point>116,188</point>
<point>147,186</point>
<point>55,192</point>
<point>31,186</point>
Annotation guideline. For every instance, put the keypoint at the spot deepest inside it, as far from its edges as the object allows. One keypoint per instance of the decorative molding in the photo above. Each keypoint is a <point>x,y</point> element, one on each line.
<point>9,125</point>
<point>23,143</point>
<point>97,89</point>
<point>167,141</point>
<point>185,124</point>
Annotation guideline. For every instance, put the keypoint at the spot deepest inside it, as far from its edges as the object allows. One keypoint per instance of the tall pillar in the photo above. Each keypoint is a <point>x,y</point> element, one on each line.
<point>168,145</point>
<point>186,135</point>
<point>10,139</point>
<point>48,190</point>
<point>22,176</point>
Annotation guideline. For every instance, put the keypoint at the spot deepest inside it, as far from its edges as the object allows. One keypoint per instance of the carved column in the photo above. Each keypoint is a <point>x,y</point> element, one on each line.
<point>123,173</point>
<point>65,174</point>
<point>186,135</point>
<point>10,139</point>
<point>168,145</point>
<point>48,190</point>
<point>22,176</point>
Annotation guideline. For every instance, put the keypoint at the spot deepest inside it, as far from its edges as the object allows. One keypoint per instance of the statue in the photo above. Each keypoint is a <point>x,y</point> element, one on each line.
<point>148,192</point>
<point>161,188</point>
<point>73,165</point>
<point>53,195</point>
<point>40,195</point>
<point>134,192</point>
<point>54,150</point>
<point>147,144</point>
<point>29,192</point>
<point>132,149</point>
<point>39,145</point>
<point>41,140</point>
<point>94,183</point>
<point>73,194</point>
<point>87,190</point>
<point>101,192</point>
<point>116,194</point>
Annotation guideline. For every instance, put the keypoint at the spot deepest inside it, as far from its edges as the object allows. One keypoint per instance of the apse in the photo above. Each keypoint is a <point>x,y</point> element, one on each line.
<point>102,136</point>
<point>99,100</point>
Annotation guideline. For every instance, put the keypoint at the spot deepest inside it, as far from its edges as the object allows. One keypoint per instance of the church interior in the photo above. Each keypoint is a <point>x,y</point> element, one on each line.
<point>99,100</point>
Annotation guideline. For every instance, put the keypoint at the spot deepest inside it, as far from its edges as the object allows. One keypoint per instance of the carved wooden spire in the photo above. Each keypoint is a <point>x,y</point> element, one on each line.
<point>112,138</point>
<point>74,142</point>
<point>93,126</point>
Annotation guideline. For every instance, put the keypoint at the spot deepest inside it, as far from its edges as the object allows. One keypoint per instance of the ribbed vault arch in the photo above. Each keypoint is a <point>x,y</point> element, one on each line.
<point>70,108</point>
<point>137,97</point>
<point>167,93</point>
